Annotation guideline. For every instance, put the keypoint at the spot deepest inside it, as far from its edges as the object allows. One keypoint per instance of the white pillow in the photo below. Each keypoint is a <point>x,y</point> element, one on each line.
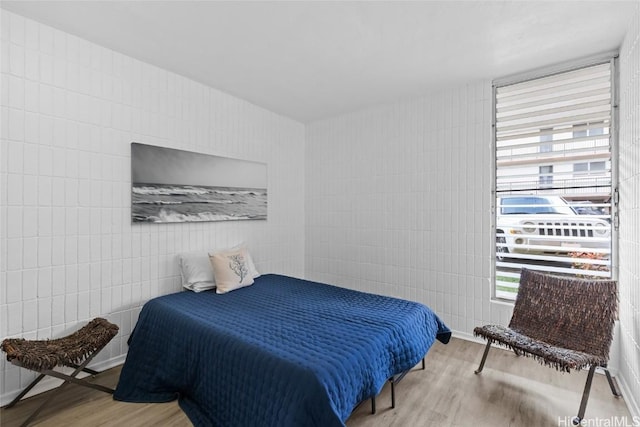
<point>196,271</point>
<point>231,270</point>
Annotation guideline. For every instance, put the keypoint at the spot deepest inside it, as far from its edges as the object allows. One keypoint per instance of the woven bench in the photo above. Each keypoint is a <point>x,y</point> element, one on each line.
<point>73,351</point>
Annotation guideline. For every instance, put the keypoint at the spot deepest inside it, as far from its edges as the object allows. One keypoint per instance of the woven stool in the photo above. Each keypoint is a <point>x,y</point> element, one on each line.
<point>74,351</point>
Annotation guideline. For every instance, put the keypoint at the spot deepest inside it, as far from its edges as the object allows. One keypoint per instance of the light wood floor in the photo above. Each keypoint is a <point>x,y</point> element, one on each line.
<point>510,391</point>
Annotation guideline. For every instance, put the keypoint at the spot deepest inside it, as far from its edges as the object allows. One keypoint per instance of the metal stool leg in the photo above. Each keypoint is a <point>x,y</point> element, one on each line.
<point>41,407</point>
<point>68,379</point>
<point>25,391</point>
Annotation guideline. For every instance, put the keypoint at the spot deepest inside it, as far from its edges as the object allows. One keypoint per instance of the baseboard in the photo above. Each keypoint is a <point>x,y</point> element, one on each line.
<point>49,383</point>
<point>632,405</point>
<point>469,337</point>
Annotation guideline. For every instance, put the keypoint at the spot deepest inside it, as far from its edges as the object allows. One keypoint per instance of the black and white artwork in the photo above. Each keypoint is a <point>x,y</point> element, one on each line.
<point>171,185</point>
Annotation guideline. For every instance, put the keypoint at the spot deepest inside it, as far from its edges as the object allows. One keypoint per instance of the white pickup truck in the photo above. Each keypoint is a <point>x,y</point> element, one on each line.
<point>531,224</point>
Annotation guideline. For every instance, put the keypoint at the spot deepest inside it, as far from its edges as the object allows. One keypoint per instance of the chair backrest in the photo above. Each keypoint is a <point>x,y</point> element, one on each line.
<point>573,313</point>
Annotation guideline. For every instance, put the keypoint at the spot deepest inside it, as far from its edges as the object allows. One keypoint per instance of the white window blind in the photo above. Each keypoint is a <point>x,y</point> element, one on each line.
<point>553,175</point>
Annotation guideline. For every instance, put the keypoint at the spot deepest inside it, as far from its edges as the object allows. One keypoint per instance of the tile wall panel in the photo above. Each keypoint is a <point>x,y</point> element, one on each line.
<point>629,211</point>
<point>69,111</point>
<point>399,203</point>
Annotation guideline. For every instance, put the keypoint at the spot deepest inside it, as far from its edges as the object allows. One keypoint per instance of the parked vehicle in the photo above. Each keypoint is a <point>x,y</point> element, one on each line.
<point>532,224</point>
<point>587,208</point>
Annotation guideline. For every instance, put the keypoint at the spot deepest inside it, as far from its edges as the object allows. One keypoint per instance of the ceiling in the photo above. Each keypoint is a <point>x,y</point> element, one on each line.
<point>312,60</point>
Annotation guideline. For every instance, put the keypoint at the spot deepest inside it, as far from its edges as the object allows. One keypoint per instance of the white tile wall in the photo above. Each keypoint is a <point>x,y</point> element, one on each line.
<point>629,241</point>
<point>399,203</point>
<point>69,111</point>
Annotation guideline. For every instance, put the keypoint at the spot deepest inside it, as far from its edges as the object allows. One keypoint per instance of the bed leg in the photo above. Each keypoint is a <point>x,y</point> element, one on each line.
<point>373,405</point>
<point>423,363</point>
<point>393,394</point>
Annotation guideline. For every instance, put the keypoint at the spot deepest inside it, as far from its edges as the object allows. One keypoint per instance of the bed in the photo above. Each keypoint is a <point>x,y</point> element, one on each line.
<point>282,352</point>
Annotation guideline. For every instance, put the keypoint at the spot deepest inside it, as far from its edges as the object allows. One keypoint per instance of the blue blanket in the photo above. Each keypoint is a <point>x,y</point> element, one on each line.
<point>283,352</point>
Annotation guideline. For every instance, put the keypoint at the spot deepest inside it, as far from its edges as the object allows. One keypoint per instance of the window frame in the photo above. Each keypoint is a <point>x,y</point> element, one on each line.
<point>612,58</point>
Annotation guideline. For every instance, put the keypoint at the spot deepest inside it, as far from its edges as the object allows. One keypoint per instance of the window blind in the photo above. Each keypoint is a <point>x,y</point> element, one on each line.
<point>553,175</point>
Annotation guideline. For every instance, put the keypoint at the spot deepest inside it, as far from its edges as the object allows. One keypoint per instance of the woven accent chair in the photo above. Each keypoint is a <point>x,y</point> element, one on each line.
<point>562,322</point>
<point>73,351</point>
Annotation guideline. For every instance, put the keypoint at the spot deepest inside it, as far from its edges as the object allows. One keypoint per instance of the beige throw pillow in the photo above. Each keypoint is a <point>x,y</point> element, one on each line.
<point>252,268</point>
<point>231,270</point>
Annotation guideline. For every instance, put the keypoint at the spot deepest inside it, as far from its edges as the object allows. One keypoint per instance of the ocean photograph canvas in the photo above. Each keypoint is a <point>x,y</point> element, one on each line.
<point>170,185</point>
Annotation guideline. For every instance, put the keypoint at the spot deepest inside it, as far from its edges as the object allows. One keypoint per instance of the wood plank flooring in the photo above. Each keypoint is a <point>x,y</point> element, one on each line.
<point>510,391</point>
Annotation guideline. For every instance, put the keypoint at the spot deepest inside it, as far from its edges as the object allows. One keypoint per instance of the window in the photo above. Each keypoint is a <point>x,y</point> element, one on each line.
<point>596,167</point>
<point>553,175</point>
<point>546,172</point>
<point>546,176</point>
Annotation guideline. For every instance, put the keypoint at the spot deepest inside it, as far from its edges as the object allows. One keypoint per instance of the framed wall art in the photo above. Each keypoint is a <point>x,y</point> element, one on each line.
<point>170,185</point>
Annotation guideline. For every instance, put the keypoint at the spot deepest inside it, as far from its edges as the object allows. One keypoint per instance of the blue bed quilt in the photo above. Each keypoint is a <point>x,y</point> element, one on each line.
<point>282,352</point>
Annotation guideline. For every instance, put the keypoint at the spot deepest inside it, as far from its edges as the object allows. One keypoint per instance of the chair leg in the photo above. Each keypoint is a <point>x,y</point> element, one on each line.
<point>611,382</point>
<point>484,357</point>
<point>585,396</point>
